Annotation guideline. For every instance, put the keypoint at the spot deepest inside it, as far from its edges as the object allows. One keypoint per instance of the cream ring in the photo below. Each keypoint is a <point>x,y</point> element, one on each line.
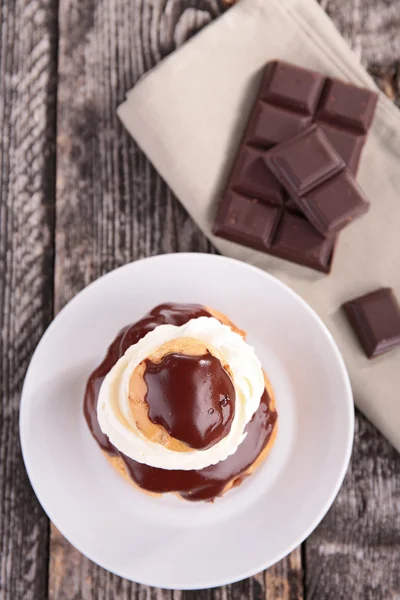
<point>114,411</point>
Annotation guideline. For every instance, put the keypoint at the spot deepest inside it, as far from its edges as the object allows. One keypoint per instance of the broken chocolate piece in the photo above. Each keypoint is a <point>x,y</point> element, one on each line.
<point>318,181</point>
<point>375,319</point>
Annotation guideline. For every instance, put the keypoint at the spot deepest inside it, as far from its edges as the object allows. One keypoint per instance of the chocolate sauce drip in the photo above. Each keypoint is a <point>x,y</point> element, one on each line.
<point>163,314</point>
<point>93,386</point>
<point>192,397</point>
<point>208,483</point>
<point>204,484</point>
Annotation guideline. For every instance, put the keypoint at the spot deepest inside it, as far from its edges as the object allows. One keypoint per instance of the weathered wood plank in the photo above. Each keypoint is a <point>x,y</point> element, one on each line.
<point>283,581</point>
<point>355,552</point>
<point>111,205</point>
<point>372,29</point>
<point>28,63</point>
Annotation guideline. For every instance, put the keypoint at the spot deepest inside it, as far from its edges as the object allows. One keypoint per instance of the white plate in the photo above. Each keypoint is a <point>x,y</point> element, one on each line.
<point>168,542</point>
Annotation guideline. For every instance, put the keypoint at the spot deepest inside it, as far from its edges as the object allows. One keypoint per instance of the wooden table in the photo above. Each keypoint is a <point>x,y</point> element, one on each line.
<point>78,198</point>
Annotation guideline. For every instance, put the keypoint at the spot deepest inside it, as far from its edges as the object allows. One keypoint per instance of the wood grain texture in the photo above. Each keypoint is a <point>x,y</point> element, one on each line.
<point>27,193</point>
<point>355,552</point>
<point>112,207</point>
<point>372,29</point>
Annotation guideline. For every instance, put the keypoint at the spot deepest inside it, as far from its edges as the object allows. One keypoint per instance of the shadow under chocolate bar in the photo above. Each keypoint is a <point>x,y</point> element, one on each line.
<point>255,210</point>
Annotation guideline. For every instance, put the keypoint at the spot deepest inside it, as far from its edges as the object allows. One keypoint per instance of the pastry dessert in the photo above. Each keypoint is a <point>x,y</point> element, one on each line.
<point>181,403</point>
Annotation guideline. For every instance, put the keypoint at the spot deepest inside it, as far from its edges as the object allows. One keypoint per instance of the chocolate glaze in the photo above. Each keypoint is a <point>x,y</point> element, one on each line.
<point>204,484</point>
<point>163,314</point>
<point>192,397</point>
<point>210,482</point>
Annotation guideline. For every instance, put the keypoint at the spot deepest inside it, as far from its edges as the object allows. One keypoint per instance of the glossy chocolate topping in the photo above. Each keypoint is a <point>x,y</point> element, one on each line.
<point>163,314</point>
<point>208,483</point>
<point>204,484</point>
<point>192,397</point>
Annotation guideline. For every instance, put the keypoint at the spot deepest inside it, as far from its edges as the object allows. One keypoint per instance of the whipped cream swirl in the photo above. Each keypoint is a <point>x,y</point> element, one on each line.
<point>114,411</point>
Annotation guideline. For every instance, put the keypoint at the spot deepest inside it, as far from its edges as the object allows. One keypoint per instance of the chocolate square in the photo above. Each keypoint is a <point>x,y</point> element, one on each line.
<point>318,181</point>
<point>344,104</point>
<point>334,204</point>
<point>347,144</point>
<point>304,161</point>
<point>291,86</point>
<point>270,125</point>
<point>296,240</point>
<point>252,177</point>
<point>375,319</point>
<point>246,221</point>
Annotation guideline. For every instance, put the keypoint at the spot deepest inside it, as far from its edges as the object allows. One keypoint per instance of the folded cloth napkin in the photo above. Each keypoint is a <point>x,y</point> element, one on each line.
<point>188,115</point>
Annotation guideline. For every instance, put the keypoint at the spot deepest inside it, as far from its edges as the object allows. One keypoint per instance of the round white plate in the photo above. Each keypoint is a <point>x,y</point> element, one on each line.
<point>168,542</point>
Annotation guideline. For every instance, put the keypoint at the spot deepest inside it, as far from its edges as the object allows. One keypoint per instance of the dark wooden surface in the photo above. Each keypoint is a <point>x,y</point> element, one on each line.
<point>28,65</point>
<point>78,198</point>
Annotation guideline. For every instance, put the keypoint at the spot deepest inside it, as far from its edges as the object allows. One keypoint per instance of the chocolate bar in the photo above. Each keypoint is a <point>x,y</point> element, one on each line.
<point>375,319</point>
<point>318,180</point>
<point>289,100</point>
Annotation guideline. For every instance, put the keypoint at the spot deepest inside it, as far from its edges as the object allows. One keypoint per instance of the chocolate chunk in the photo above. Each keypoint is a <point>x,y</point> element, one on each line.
<point>291,86</point>
<point>270,125</point>
<point>347,144</point>
<point>253,177</point>
<point>346,105</point>
<point>289,100</point>
<point>304,161</point>
<point>296,240</point>
<point>334,204</point>
<point>247,221</point>
<point>375,318</point>
<point>315,176</point>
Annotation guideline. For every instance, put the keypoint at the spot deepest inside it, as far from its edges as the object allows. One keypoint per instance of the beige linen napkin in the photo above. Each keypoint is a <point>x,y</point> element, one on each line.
<point>188,115</point>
